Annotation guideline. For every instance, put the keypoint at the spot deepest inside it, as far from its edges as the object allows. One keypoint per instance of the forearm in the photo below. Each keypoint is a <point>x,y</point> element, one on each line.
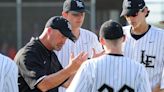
<point>157,88</point>
<point>54,80</point>
<point>162,90</point>
<point>68,82</point>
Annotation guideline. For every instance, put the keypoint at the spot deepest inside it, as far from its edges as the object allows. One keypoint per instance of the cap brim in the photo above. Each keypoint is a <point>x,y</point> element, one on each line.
<point>69,35</point>
<point>79,11</point>
<point>72,38</point>
<point>129,12</point>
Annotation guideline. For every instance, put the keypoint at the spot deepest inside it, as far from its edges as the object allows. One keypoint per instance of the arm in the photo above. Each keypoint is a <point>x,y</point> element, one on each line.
<point>82,80</point>
<point>12,78</point>
<point>160,86</point>
<point>53,80</point>
<point>157,89</point>
<point>68,82</point>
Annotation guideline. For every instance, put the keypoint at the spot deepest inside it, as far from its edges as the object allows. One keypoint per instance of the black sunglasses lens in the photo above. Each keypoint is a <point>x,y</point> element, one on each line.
<point>133,15</point>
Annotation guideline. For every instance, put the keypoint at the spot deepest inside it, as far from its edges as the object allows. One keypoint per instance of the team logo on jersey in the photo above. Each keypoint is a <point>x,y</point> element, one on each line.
<point>147,60</point>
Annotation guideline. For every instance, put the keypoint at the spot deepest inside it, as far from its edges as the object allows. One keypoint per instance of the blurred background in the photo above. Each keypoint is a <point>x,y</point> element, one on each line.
<point>22,19</point>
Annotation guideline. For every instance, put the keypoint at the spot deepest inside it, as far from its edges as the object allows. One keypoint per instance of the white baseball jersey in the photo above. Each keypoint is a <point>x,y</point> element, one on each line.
<point>8,75</point>
<point>86,41</point>
<point>110,73</point>
<point>149,51</point>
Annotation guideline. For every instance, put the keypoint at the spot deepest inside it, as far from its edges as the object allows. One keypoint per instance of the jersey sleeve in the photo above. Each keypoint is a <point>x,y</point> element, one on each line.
<point>81,81</point>
<point>143,82</point>
<point>31,68</point>
<point>11,77</point>
<point>162,77</point>
<point>162,80</point>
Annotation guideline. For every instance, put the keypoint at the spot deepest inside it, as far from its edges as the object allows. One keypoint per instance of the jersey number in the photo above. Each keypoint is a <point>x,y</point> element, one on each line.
<point>125,87</point>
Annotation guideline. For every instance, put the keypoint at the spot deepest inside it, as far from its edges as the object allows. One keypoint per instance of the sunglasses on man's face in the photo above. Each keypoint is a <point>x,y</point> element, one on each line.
<point>132,15</point>
<point>78,14</point>
<point>136,14</point>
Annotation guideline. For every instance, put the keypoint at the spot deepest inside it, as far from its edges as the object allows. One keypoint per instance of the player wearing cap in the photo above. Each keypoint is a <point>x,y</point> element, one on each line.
<point>144,42</point>
<point>74,11</point>
<point>40,70</point>
<point>111,72</point>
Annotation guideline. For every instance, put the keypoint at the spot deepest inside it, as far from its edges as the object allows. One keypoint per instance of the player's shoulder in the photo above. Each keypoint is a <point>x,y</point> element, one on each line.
<point>5,59</point>
<point>87,32</point>
<point>134,63</point>
<point>158,33</point>
<point>156,29</point>
<point>33,47</point>
<point>126,27</point>
<point>6,62</point>
<point>98,60</point>
<point>103,58</point>
<point>94,61</point>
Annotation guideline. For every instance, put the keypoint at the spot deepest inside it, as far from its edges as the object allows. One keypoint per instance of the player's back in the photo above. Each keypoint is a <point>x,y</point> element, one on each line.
<point>118,73</point>
<point>110,73</point>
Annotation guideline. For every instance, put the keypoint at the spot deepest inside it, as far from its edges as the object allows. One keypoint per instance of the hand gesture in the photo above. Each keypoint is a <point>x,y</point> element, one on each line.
<point>75,62</point>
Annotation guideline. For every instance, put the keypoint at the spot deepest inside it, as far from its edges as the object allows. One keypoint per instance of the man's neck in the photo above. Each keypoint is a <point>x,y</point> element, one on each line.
<point>45,42</point>
<point>76,32</point>
<point>113,50</point>
<point>140,30</point>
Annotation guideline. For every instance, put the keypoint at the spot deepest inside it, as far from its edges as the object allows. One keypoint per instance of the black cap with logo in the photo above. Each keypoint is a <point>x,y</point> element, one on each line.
<point>131,7</point>
<point>60,23</point>
<point>111,30</point>
<point>74,6</point>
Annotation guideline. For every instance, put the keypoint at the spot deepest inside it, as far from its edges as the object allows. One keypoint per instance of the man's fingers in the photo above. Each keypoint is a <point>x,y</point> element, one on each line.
<point>101,53</point>
<point>85,56</point>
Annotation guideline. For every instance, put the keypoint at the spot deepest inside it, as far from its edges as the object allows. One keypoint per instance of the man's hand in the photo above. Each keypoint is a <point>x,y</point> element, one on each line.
<point>75,62</point>
<point>156,88</point>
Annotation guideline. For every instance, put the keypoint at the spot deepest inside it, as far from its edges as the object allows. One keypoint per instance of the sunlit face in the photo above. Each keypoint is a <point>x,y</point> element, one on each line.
<point>56,39</point>
<point>76,19</point>
<point>137,19</point>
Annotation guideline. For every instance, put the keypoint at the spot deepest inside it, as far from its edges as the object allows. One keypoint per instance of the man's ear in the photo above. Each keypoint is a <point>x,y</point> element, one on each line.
<point>102,40</point>
<point>124,38</point>
<point>64,14</point>
<point>49,30</point>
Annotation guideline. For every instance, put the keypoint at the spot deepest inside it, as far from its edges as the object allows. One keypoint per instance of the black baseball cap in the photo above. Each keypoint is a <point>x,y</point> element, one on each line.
<point>111,30</point>
<point>60,23</point>
<point>74,6</point>
<point>131,7</point>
